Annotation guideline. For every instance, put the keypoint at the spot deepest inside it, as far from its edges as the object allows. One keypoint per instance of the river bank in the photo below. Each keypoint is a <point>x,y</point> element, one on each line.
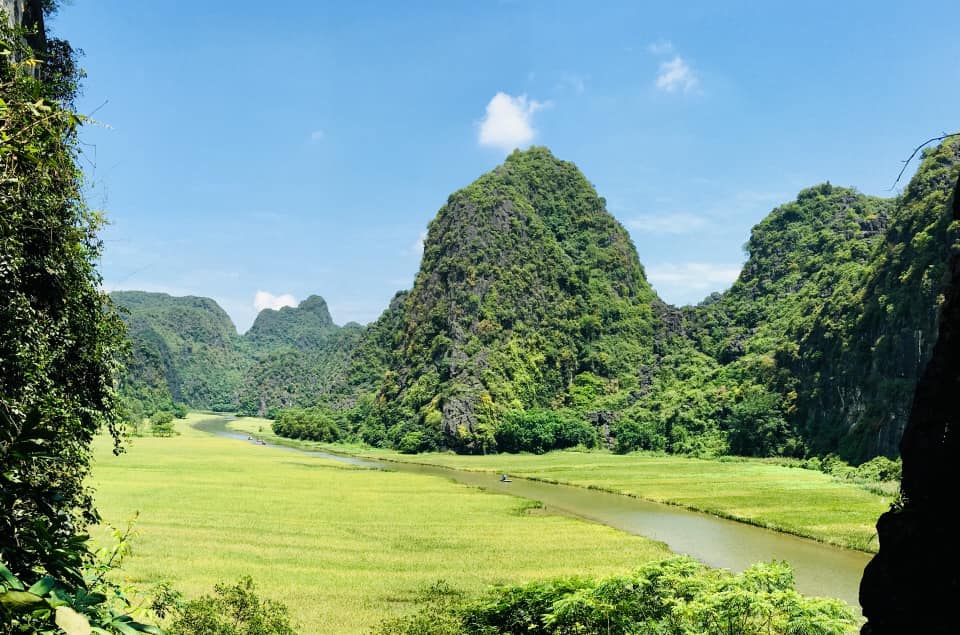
<point>790,500</point>
<point>344,547</point>
<point>820,569</point>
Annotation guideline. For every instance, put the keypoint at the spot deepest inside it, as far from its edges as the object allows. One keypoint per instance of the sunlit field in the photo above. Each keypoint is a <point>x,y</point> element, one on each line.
<point>802,502</point>
<point>343,547</point>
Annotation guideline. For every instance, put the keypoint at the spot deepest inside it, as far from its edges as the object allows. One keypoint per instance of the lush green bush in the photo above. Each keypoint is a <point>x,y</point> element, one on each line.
<point>234,609</point>
<point>540,431</point>
<point>311,424</point>
<point>161,424</point>
<point>880,469</point>
<point>86,601</point>
<point>672,597</point>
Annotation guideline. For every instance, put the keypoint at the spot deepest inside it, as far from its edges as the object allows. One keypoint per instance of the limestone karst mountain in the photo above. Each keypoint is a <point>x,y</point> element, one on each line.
<point>531,310</point>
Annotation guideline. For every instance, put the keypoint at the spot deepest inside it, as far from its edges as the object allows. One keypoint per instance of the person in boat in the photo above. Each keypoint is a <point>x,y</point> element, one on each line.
<point>504,478</point>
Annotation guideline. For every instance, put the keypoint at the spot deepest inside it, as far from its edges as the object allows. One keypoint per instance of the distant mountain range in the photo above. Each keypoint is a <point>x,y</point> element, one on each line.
<point>531,298</point>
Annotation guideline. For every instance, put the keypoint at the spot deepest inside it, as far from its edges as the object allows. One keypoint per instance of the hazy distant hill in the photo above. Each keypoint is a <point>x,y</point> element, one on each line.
<point>185,349</point>
<point>304,327</point>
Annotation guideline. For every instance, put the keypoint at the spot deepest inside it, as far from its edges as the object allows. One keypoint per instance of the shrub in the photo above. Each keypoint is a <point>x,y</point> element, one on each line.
<point>410,443</point>
<point>232,610</point>
<point>161,424</point>
<point>673,596</point>
<point>312,424</point>
<point>540,431</point>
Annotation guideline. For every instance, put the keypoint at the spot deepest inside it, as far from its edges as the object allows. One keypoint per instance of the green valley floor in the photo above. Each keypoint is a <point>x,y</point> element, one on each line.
<point>343,547</point>
<point>793,500</point>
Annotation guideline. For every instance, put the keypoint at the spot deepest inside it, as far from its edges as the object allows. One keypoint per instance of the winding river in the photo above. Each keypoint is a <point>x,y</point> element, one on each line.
<point>820,569</point>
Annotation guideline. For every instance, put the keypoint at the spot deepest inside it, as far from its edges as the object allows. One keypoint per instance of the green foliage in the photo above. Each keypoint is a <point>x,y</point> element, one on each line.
<point>234,609</point>
<point>526,283</point>
<point>303,328</point>
<point>832,317</point>
<point>186,353</point>
<point>288,377</point>
<point>438,615</point>
<point>161,424</point>
<point>185,350</point>
<point>531,298</point>
<point>540,431</point>
<point>675,596</point>
<point>311,424</point>
<point>59,337</point>
<point>75,607</point>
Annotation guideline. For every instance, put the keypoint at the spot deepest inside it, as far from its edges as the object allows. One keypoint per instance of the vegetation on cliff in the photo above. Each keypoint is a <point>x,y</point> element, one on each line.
<point>530,296</point>
<point>60,343</point>
<point>531,326</point>
<point>186,350</point>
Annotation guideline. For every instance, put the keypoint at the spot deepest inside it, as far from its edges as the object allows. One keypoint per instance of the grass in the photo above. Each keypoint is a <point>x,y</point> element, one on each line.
<point>342,547</point>
<point>792,500</point>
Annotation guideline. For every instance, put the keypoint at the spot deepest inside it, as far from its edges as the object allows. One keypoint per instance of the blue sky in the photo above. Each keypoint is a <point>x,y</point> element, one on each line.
<point>260,152</point>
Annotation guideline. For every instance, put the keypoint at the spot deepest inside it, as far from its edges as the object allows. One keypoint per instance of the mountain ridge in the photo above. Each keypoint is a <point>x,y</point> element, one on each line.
<point>531,299</point>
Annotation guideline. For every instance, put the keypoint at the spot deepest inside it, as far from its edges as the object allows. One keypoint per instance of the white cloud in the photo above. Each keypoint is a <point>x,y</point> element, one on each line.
<point>508,123</point>
<point>676,75</point>
<point>679,223</point>
<point>416,249</point>
<point>418,246</point>
<point>266,300</point>
<point>317,136</point>
<point>688,282</point>
<point>661,47</point>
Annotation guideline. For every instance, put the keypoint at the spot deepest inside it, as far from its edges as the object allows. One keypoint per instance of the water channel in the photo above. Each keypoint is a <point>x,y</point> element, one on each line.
<point>820,569</point>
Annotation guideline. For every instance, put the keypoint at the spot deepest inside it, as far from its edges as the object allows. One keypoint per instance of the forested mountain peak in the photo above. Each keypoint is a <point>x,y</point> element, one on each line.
<point>317,305</point>
<point>301,327</point>
<point>531,325</point>
<point>527,286</point>
<point>191,317</point>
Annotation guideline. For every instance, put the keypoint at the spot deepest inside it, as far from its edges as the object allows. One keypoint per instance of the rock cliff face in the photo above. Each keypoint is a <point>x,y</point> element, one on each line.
<point>912,584</point>
<point>526,282</point>
<point>28,14</point>
<point>839,298</point>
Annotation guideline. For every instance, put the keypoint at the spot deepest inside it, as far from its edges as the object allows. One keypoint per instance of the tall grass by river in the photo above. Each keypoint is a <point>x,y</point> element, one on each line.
<point>343,547</point>
<point>802,502</point>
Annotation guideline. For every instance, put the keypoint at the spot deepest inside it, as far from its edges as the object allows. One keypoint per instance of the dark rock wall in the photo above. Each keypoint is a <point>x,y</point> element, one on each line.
<point>913,584</point>
<point>29,14</point>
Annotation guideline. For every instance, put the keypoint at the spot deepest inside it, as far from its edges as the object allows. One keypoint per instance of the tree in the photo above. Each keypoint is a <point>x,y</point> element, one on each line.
<point>161,424</point>
<point>59,337</point>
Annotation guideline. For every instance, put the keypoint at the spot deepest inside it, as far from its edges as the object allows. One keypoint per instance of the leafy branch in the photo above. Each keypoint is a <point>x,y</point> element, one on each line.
<point>918,149</point>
